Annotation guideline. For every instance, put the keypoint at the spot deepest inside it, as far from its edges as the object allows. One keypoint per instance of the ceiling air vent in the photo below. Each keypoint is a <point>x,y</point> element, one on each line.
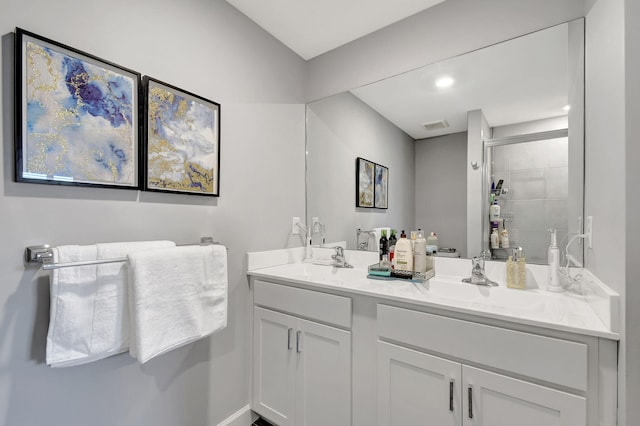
<point>435,125</point>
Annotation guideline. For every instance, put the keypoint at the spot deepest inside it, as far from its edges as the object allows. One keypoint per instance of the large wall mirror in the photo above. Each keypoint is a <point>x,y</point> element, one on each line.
<point>510,113</point>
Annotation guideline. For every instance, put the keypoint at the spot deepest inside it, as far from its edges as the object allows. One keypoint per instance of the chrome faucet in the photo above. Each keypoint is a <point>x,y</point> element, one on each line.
<point>478,276</point>
<point>338,259</point>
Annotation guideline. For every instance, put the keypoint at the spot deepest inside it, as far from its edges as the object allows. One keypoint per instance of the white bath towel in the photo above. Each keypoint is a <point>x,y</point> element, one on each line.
<point>89,317</point>
<point>71,313</point>
<point>176,296</point>
<point>111,325</point>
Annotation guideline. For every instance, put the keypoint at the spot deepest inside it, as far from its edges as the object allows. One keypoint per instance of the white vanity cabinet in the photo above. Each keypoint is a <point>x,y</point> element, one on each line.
<point>414,384</point>
<point>496,400</point>
<point>326,355</point>
<point>301,366</point>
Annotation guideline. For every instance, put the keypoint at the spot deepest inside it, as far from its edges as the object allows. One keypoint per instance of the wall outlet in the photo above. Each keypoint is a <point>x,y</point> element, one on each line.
<point>295,225</point>
<point>588,231</point>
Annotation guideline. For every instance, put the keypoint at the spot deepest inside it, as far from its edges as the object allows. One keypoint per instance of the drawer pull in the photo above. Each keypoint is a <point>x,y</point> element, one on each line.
<point>451,395</point>
<point>470,395</point>
<point>298,342</point>
<point>289,347</point>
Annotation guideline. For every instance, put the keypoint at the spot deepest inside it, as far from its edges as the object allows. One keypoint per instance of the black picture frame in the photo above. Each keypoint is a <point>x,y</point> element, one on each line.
<point>381,187</point>
<point>365,189</point>
<point>77,117</point>
<point>185,161</point>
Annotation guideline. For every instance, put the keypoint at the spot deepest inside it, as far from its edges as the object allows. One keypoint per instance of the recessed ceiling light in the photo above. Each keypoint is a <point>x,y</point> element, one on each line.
<point>444,82</point>
<point>566,107</point>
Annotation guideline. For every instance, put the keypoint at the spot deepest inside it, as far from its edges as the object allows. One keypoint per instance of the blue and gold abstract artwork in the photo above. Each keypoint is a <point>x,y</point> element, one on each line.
<point>382,187</point>
<point>364,182</point>
<point>79,120</point>
<point>183,141</point>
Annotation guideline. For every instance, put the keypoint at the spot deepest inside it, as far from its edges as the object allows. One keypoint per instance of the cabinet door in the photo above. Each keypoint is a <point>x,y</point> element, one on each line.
<point>274,358</point>
<point>323,390</point>
<point>417,389</point>
<point>494,400</point>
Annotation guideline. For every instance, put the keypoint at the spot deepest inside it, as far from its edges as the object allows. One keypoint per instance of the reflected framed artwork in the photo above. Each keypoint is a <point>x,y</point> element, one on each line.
<point>364,183</point>
<point>77,120</point>
<point>182,141</point>
<point>381,191</point>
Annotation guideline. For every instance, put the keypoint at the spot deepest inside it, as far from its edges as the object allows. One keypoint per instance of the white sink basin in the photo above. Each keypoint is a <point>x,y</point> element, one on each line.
<point>322,273</point>
<point>446,288</point>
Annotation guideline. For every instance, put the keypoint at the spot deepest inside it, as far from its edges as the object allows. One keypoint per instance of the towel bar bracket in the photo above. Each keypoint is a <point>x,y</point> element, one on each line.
<point>43,254</point>
<point>38,254</point>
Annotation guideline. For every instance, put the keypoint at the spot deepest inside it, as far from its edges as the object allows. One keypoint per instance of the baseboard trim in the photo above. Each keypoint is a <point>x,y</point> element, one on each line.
<point>242,417</point>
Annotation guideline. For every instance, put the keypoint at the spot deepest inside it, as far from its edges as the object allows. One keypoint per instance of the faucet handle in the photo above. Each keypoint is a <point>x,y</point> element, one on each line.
<point>477,263</point>
<point>339,251</point>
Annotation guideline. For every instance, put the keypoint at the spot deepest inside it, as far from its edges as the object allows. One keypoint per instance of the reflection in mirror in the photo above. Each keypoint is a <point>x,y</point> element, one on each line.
<point>527,178</point>
<point>430,138</point>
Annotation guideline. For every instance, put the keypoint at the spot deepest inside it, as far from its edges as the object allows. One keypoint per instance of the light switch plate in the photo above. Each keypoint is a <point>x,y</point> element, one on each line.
<point>295,225</point>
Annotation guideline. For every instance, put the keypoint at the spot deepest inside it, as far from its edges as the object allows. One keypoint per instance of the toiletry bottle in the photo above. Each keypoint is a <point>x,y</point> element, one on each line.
<point>414,235</point>
<point>432,243</point>
<point>521,268</point>
<point>403,255</point>
<point>511,273</point>
<point>553,278</point>
<point>494,211</point>
<point>504,238</point>
<point>384,262</point>
<point>384,244</point>
<point>420,256</point>
<point>392,245</point>
<point>495,239</point>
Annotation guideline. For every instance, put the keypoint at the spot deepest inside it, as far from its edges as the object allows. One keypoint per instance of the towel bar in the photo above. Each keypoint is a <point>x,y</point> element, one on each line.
<point>43,254</point>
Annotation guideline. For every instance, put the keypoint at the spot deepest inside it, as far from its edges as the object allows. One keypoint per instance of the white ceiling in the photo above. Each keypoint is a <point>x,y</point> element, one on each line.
<point>313,27</point>
<point>520,80</point>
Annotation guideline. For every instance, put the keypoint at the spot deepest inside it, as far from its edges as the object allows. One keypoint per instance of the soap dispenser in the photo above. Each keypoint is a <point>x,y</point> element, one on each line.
<point>553,277</point>
<point>420,256</point>
<point>519,277</point>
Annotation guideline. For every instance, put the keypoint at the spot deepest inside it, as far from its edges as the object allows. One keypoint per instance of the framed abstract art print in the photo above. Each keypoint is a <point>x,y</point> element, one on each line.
<point>364,183</point>
<point>381,191</point>
<point>182,141</point>
<point>77,117</point>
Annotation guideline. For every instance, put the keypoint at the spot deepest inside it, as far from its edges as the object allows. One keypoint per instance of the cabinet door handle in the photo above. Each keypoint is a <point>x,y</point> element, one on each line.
<point>289,347</point>
<point>470,395</point>
<point>298,342</point>
<point>451,395</point>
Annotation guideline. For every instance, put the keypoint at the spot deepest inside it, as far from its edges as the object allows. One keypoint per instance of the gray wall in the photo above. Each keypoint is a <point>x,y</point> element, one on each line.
<point>605,165</point>
<point>441,189</point>
<point>632,228</point>
<point>207,47</point>
<point>339,129</point>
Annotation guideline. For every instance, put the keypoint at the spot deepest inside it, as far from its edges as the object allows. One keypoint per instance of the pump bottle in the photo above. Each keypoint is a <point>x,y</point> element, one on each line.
<point>553,277</point>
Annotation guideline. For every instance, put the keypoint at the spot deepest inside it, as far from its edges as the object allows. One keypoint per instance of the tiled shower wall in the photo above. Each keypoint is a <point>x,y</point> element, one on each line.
<point>536,180</point>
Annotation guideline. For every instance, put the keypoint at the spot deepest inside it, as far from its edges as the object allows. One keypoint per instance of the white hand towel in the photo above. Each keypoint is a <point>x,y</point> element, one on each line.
<point>176,296</point>
<point>89,317</point>
<point>378,235</point>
